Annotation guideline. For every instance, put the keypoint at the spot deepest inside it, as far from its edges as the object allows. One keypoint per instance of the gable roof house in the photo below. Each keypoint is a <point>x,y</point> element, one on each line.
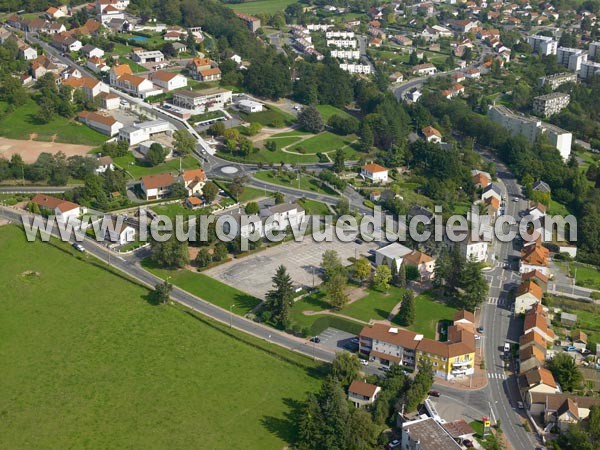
<point>375,173</point>
<point>560,409</point>
<point>538,379</point>
<point>425,264</point>
<point>204,69</point>
<point>194,181</point>
<point>90,51</point>
<point>361,393</point>
<point>103,123</point>
<point>528,294</point>
<point>538,277</point>
<point>534,257</point>
<point>62,209</point>
<point>91,87</point>
<point>65,42</point>
<point>432,135</point>
<point>42,65</point>
<point>157,186</point>
<point>168,80</point>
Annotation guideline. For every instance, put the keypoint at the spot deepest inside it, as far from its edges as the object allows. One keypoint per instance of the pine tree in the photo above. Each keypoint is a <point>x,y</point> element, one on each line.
<point>280,298</point>
<point>335,288</point>
<point>400,276</point>
<point>406,315</point>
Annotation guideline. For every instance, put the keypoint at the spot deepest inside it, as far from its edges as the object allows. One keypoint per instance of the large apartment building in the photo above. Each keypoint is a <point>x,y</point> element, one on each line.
<point>531,128</point>
<point>557,79</point>
<point>547,105</point>
<point>571,58</point>
<point>589,69</point>
<point>450,359</point>
<point>543,45</point>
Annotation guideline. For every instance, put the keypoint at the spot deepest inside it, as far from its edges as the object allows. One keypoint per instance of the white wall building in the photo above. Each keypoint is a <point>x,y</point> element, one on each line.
<point>389,254</point>
<point>356,68</point>
<point>168,80</point>
<point>204,100</point>
<point>543,45</point>
<point>342,43</point>
<point>571,58</point>
<point>375,173</point>
<point>143,131</point>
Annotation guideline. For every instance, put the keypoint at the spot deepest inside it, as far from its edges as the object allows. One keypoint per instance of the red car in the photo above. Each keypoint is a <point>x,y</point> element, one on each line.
<point>434,393</point>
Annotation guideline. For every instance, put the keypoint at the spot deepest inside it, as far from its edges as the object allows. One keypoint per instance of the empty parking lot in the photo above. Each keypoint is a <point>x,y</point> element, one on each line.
<point>252,274</point>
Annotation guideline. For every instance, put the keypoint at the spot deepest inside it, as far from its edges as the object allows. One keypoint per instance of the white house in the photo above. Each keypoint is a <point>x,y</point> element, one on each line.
<point>537,211</point>
<point>491,190</point>
<point>375,173</point>
<point>424,69</point>
<point>105,124</point>
<point>105,163</point>
<point>194,181</point>
<point>432,135</point>
<point>391,253</point>
<point>144,56</point>
<point>168,80</point>
<point>361,393</point>
<point>142,131</point>
<point>91,51</point>
<point>62,209</point>
<point>27,53</point>
<point>120,233</point>
<point>249,106</point>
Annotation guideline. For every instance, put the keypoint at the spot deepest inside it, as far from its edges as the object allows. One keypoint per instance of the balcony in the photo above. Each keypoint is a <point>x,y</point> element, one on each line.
<point>460,371</point>
<point>462,363</point>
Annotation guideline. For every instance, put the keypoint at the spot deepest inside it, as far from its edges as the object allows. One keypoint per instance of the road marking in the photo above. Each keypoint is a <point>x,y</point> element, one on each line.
<point>492,300</point>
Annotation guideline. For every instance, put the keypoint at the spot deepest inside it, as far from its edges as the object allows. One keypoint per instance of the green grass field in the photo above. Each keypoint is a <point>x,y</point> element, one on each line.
<point>306,183</point>
<point>207,288</point>
<point>254,7</point>
<point>324,142</point>
<point>327,111</point>
<point>585,274</point>
<point>316,324</point>
<point>137,170</point>
<point>429,312</point>
<point>22,122</point>
<point>281,142</point>
<point>172,209</point>
<point>87,361</point>
<point>271,116</point>
<point>375,305</point>
<point>314,207</point>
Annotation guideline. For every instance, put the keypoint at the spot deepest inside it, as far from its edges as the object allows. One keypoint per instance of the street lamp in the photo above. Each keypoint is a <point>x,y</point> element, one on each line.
<point>231,314</point>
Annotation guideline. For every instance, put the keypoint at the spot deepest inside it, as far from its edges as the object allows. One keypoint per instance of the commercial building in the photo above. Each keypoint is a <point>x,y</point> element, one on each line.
<point>249,106</point>
<point>144,56</point>
<point>425,433</point>
<point>204,100</point>
<point>557,79</point>
<point>547,105</point>
<point>543,45</point>
<point>143,131</point>
<point>531,128</point>
<point>571,58</point>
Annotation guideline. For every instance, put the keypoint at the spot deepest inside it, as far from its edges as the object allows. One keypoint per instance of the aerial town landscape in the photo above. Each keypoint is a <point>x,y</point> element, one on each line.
<point>271,224</point>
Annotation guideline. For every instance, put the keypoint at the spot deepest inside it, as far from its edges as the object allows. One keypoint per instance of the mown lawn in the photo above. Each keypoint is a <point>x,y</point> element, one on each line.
<point>313,207</point>
<point>173,209</point>
<point>375,305</point>
<point>87,361</point>
<point>271,116</point>
<point>306,182</point>
<point>429,312</point>
<point>22,122</point>
<point>327,111</point>
<point>324,142</point>
<point>207,288</point>
<point>281,142</point>
<point>254,7</point>
<point>585,275</point>
<point>138,170</point>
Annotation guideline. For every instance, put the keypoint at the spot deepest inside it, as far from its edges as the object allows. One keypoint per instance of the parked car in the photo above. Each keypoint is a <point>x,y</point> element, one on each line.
<point>520,405</point>
<point>468,443</point>
<point>480,330</point>
<point>434,393</point>
<point>570,348</point>
<point>477,337</point>
<point>393,444</point>
<point>78,247</point>
<point>364,362</point>
<point>516,199</point>
<point>315,339</point>
<point>354,340</point>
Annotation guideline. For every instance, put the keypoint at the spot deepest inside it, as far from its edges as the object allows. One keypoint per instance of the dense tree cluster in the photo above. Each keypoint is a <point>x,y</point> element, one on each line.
<point>323,83</point>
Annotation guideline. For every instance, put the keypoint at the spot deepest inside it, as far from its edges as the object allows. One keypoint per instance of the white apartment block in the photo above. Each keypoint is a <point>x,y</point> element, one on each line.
<point>345,54</point>
<point>593,50</point>
<point>356,68</point>
<point>557,79</point>
<point>571,58</point>
<point>339,34</point>
<point>341,43</point>
<point>589,69</point>
<point>143,131</point>
<point>543,45</point>
<point>318,27</point>
<point>531,128</point>
<point>547,105</point>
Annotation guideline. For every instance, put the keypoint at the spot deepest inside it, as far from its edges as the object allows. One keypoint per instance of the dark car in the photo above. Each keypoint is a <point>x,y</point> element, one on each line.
<point>468,443</point>
<point>480,329</point>
<point>434,393</point>
<point>316,340</point>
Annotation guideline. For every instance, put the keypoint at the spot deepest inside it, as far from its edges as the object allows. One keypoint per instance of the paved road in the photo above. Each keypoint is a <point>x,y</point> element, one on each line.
<point>132,267</point>
<point>500,326</point>
<point>37,189</point>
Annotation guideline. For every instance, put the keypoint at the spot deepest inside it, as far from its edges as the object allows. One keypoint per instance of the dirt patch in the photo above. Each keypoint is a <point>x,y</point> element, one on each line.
<point>355,294</point>
<point>31,150</point>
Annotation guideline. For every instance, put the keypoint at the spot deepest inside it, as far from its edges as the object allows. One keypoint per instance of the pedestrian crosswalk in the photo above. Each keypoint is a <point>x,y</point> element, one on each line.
<point>496,301</point>
<point>497,376</point>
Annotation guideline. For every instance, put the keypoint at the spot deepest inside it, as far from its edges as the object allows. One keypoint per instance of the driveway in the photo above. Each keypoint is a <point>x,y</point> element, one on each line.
<point>252,274</point>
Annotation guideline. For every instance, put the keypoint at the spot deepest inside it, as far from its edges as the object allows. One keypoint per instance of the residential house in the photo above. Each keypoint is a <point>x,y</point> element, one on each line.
<point>109,101</point>
<point>473,73</point>
<point>203,69</point>
<point>97,65</point>
<point>536,319</point>
<point>403,40</point>
<point>432,135</point>
<point>528,294</point>
<point>91,51</point>
<point>491,190</point>
<point>65,42</point>
<point>91,87</point>
<point>538,379</point>
<point>391,254</point>
<point>168,81</point>
<point>537,210</point>
<point>53,13</point>
<point>252,22</point>
<point>27,53</point>
<point>103,123</point>
<point>120,233</point>
<point>121,77</point>
<point>4,34</point>
<point>480,179</point>
<point>143,131</point>
<point>424,69</point>
<point>142,56</point>
<point>534,257</point>
<point>194,181</point>
<point>470,245</point>
<point>193,202</point>
<point>362,394</point>
<point>158,186</point>
<point>537,277</point>
<point>375,173</point>
<point>62,209</point>
<point>560,409</point>
<point>105,163</point>
<point>425,264</point>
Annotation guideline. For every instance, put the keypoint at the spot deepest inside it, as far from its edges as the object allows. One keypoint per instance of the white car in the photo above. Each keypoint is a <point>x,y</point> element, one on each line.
<point>477,337</point>
<point>516,199</point>
<point>364,362</point>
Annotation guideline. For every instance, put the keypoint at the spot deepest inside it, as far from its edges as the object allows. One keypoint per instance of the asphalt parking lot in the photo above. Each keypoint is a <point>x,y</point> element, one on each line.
<point>252,274</point>
<point>336,340</point>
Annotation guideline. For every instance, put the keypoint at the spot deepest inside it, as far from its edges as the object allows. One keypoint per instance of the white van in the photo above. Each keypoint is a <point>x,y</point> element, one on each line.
<point>506,347</point>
